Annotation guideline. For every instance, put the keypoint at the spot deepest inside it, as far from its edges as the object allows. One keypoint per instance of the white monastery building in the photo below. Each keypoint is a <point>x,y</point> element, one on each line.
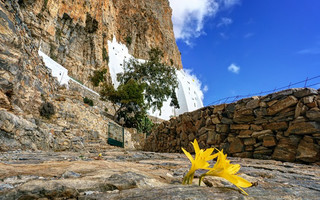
<point>189,94</point>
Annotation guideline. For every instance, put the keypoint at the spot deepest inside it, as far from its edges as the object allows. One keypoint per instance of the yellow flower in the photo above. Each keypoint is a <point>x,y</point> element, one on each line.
<point>228,171</point>
<point>199,162</point>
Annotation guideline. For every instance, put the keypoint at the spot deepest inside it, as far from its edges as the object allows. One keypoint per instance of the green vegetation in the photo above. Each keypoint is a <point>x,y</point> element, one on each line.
<point>44,6</point>
<point>129,98</point>
<point>128,40</point>
<point>105,56</point>
<point>47,110</point>
<point>171,61</point>
<point>98,76</point>
<point>58,33</point>
<point>145,125</point>
<point>52,52</point>
<point>159,80</point>
<point>88,101</point>
<point>142,86</point>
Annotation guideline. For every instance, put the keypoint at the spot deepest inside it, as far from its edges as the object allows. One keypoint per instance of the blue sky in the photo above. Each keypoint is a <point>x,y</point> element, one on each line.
<point>239,47</point>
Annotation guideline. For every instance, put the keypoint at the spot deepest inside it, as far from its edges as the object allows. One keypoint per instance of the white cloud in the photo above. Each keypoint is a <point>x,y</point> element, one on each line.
<point>230,3</point>
<point>224,36</point>
<point>188,16</point>
<point>248,35</point>
<point>312,51</point>
<point>234,68</point>
<point>224,22</point>
<point>206,88</point>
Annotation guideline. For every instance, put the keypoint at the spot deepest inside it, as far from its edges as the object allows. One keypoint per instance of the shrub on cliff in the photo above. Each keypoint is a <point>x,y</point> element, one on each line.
<point>98,77</point>
<point>88,101</point>
<point>128,40</point>
<point>47,110</point>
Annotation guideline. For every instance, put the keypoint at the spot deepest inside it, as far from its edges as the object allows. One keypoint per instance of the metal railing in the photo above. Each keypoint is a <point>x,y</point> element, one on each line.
<point>308,82</point>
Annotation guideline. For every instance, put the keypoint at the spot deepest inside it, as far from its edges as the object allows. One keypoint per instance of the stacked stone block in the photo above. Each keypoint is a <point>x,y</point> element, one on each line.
<point>282,126</point>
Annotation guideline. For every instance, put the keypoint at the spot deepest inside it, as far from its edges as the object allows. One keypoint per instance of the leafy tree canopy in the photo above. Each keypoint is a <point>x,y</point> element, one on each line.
<point>159,80</point>
<point>143,85</point>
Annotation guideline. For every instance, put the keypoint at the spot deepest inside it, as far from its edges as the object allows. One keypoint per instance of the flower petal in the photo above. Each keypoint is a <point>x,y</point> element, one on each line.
<point>212,156</point>
<point>224,169</point>
<point>231,178</point>
<point>243,182</point>
<point>208,152</point>
<point>196,146</point>
<point>232,169</point>
<point>188,155</point>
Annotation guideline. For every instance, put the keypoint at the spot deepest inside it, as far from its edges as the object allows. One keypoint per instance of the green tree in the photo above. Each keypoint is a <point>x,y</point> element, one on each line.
<point>160,80</point>
<point>143,85</point>
<point>130,100</point>
<point>98,76</point>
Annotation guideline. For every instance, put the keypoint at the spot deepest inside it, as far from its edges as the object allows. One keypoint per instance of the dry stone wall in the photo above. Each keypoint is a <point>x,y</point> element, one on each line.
<point>283,126</point>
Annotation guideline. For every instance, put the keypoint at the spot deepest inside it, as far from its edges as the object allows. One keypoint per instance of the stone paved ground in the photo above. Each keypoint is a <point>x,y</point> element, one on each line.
<point>122,174</point>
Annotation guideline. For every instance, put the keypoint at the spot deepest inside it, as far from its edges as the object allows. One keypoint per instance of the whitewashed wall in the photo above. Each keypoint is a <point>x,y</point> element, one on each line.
<point>57,70</point>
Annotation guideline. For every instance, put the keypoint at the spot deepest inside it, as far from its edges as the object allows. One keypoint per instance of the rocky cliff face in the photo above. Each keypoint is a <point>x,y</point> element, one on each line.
<point>75,32</point>
<point>23,78</point>
<point>26,85</point>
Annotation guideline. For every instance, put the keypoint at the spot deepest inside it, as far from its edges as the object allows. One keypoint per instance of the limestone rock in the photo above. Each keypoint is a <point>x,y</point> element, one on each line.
<point>253,104</point>
<point>305,92</point>
<point>304,128</point>
<point>314,114</point>
<point>32,175</point>
<point>213,138</point>
<point>236,146</point>
<point>249,141</point>
<point>215,120</point>
<point>308,151</point>
<point>282,104</point>
<point>308,99</point>
<point>219,108</point>
<point>222,128</point>
<point>245,134</point>
<point>269,141</point>
<point>4,101</point>
<point>239,126</point>
<point>262,133</point>
<point>286,150</point>
<point>276,126</point>
<point>243,115</point>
